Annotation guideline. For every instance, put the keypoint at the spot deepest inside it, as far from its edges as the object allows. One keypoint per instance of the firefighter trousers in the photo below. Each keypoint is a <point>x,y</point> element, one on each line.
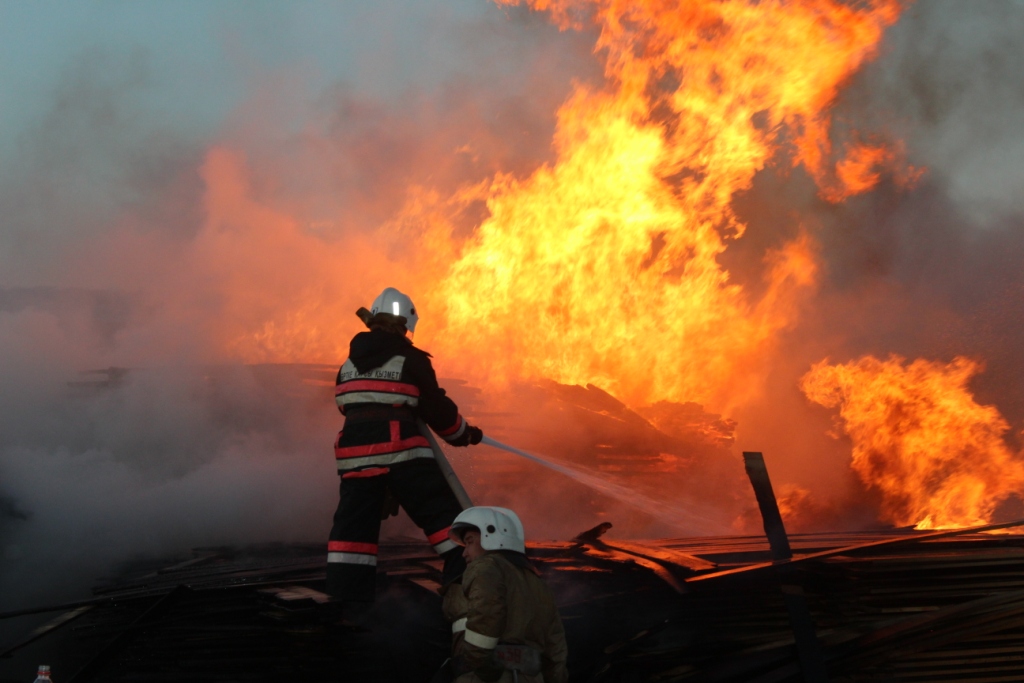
<point>421,490</point>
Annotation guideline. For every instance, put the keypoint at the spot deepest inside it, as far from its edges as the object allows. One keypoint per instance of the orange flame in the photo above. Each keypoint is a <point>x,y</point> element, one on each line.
<point>937,456</point>
<point>268,310</point>
<point>603,267</point>
<point>862,167</point>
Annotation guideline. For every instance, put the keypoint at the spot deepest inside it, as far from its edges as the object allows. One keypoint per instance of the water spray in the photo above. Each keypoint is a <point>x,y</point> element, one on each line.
<point>664,512</point>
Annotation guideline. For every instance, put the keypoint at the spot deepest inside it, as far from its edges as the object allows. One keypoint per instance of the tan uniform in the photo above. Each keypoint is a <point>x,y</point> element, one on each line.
<point>499,602</point>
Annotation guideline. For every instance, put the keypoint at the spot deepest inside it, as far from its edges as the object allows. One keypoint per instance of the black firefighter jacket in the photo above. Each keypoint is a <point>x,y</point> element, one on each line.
<point>383,386</point>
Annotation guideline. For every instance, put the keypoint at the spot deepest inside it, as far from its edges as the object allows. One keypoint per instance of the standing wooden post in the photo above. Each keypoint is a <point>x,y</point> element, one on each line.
<point>808,649</point>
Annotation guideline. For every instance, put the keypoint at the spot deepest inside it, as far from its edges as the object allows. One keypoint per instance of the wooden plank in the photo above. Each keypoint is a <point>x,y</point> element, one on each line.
<point>296,593</point>
<point>676,557</point>
<point>853,549</point>
<point>46,628</point>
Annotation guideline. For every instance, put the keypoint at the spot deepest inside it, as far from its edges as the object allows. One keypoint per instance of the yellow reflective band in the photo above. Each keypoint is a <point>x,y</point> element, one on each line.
<point>480,640</point>
<point>459,625</point>
<point>352,558</point>
<point>444,546</point>
<point>383,460</point>
<point>376,397</point>
<point>461,430</point>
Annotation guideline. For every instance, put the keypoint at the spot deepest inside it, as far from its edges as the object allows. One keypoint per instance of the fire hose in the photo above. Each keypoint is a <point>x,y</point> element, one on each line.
<point>453,479</point>
<point>529,456</point>
<point>670,514</point>
<point>446,467</point>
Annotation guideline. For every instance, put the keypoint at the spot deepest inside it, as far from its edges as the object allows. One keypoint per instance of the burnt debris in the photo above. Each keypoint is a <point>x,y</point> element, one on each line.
<point>916,607</point>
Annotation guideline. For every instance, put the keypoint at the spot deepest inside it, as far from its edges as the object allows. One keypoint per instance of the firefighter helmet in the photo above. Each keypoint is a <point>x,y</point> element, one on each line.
<point>394,302</point>
<point>500,528</point>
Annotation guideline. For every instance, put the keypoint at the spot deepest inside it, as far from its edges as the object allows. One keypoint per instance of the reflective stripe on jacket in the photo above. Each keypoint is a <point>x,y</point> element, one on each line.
<point>383,386</point>
<point>380,385</point>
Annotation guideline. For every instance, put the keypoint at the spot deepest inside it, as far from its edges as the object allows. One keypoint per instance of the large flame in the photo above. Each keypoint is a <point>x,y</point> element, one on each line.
<point>937,456</point>
<point>603,267</point>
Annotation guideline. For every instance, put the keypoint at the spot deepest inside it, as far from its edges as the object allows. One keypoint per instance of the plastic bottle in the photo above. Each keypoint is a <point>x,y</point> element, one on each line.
<point>44,674</point>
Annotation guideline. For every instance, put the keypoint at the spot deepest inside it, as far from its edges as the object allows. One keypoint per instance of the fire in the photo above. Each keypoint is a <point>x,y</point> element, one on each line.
<point>937,456</point>
<point>267,313</point>
<point>861,170</point>
<point>603,266</point>
<point>801,511</point>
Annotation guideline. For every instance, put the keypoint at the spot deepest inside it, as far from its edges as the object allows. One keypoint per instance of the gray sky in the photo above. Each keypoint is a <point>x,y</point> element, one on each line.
<point>101,102</point>
<point>201,55</point>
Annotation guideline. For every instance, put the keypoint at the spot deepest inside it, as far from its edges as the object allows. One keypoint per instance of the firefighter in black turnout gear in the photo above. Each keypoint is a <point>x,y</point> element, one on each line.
<point>384,386</point>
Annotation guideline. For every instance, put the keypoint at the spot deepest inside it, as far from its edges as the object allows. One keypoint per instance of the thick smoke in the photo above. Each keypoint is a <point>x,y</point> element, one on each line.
<point>135,246</point>
<point>929,272</point>
<point>145,247</point>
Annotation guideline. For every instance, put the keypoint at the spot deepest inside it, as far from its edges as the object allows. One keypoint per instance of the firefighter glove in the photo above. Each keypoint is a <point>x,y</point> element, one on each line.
<point>470,437</point>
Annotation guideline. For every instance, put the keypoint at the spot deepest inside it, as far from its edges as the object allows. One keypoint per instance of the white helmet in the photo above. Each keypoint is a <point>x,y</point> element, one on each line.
<point>394,302</point>
<point>500,528</point>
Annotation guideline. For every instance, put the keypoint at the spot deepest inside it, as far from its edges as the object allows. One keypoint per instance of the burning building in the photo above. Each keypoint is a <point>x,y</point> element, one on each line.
<point>693,228</point>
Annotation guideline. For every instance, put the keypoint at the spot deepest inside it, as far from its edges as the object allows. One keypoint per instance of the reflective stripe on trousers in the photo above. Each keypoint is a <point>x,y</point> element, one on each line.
<point>349,552</point>
<point>352,558</point>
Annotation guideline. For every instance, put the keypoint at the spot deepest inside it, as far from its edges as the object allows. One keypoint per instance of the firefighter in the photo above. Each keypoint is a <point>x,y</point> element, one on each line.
<point>505,626</point>
<point>384,386</point>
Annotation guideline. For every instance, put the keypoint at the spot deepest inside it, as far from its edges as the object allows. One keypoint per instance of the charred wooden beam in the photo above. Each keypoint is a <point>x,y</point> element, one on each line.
<point>46,629</point>
<point>812,663</point>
